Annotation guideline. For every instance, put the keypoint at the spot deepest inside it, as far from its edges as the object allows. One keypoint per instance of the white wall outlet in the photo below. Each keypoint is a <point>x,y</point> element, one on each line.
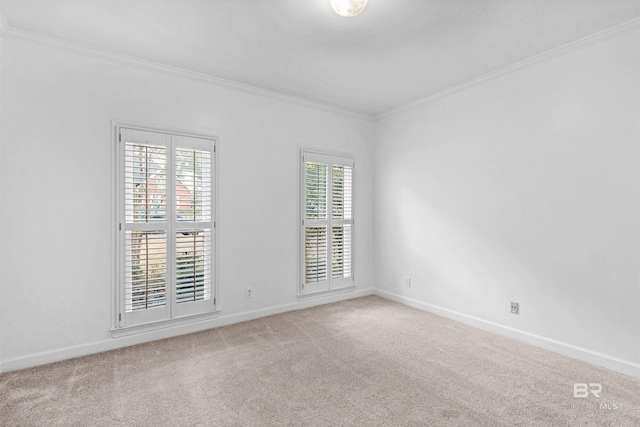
<point>515,307</point>
<point>407,282</point>
<point>248,293</point>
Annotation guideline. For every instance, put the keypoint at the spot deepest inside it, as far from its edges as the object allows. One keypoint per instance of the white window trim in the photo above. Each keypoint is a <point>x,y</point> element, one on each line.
<point>301,294</point>
<point>117,329</point>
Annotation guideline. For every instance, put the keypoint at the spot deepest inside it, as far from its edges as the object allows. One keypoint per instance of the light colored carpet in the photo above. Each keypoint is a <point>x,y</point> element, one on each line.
<point>362,362</point>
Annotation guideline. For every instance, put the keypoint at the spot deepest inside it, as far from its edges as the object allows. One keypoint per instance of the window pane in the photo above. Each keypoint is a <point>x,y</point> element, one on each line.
<point>145,269</point>
<point>315,254</point>
<point>341,191</point>
<point>341,251</point>
<point>316,177</point>
<point>193,185</point>
<point>145,183</point>
<point>193,265</point>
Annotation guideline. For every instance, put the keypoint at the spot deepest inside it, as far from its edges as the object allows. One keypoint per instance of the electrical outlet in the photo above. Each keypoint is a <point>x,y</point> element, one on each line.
<point>515,307</point>
<point>407,282</point>
<point>248,293</point>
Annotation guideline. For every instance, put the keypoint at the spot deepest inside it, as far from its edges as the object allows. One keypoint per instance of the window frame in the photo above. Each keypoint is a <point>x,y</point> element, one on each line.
<point>333,285</point>
<point>124,323</point>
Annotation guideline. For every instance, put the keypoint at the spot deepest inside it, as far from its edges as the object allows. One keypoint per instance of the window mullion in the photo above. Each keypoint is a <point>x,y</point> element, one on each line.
<point>120,195</point>
<point>329,222</point>
<point>171,222</point>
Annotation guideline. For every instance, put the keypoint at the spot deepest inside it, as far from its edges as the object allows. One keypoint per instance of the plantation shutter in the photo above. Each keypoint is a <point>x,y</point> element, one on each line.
<point>145,225</point>
<point>166,225</point>
<point>342,224</point>
<point>193,224</point>
<point>316,251</point>
<point>327,222</point>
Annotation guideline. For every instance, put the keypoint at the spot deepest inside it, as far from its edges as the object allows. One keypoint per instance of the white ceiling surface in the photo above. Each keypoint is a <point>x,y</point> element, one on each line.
<point>394,53</point>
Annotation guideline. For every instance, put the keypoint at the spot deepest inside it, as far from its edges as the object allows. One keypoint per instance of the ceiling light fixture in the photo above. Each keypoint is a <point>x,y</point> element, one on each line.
<point>348,8</point>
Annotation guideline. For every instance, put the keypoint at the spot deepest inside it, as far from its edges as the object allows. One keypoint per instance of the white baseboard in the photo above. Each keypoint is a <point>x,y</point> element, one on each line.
<point>610,362</point>
<point>129,340</point>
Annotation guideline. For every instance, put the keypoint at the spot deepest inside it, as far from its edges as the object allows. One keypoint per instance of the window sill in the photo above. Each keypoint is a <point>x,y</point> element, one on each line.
<point>163,324</point>
<point>323,294</point>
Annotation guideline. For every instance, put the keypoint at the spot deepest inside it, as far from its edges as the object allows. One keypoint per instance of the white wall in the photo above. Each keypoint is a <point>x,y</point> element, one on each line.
<point>523,187</point>
<point>57,180</point>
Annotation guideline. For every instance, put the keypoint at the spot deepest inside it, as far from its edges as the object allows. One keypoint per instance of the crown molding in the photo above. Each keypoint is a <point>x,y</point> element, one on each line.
<point>90,51</point>
<point>528,62</point>
<point>7,31</point>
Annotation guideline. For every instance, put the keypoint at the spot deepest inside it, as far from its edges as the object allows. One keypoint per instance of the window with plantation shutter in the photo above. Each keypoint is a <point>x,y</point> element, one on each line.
<point>327,222</point>
<point>165,226</point>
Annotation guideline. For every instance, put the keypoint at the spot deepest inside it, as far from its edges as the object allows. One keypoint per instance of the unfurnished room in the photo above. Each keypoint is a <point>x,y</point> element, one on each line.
<point>320,213</point>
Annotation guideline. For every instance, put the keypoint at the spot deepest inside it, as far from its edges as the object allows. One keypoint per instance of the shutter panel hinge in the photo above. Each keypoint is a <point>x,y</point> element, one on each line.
<point>214,148</point>
<point>119,317</point>
<point>214,224</point>
<point>120,227</point>
<point>119,137</point>
<point>214,301</point>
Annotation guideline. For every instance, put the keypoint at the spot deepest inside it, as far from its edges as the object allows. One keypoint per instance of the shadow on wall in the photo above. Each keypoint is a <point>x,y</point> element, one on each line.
<point>456,268</point>
<point>461,269</point>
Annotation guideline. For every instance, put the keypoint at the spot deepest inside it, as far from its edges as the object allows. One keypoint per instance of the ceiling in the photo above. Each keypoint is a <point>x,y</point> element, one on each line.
<point>394,53</point>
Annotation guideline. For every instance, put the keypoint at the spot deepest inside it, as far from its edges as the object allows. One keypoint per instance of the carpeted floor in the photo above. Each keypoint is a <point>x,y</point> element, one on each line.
<point>362,362</point>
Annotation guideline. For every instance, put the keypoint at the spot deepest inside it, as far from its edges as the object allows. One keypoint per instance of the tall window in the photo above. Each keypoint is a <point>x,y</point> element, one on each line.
<point>327,222</point>
<point>165,225</point>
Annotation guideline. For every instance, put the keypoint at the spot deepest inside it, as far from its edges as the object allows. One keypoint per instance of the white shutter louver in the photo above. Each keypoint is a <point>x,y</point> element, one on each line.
<point>341,188</point>
<point>193,265</point>
<point>193,168</point>
<point>193,185</point>
<point>316,205</point>
<point>146,269</point>
<point>315,254</point>
<point>145,248</point>
<point>341,184</point>
<point>316,190</point>
<point>145,183</point>
<point>341,252</point>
